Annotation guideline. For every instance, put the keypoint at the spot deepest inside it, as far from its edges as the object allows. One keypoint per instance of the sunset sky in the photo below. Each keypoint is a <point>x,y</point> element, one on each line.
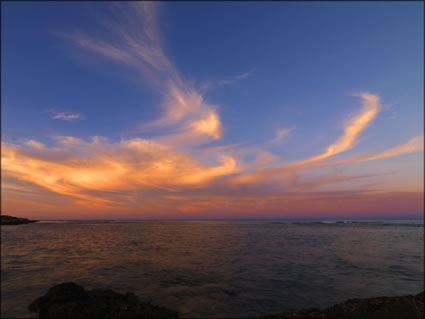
<point>212,110</point>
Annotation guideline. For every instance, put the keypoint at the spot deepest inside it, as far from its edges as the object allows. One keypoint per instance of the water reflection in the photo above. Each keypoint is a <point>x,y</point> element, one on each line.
<point>213,268</point>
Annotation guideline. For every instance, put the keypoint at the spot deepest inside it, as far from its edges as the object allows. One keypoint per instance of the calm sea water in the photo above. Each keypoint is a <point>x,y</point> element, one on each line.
<point>214,268</point>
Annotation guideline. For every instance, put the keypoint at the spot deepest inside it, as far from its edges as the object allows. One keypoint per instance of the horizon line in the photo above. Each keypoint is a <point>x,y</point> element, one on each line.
<point>213,219</point>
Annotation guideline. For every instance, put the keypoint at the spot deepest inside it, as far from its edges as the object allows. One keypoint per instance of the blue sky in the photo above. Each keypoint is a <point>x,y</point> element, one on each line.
<point>263,68</point>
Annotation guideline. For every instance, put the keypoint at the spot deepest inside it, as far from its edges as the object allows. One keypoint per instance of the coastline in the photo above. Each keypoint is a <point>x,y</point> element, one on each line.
<point>10,220</point>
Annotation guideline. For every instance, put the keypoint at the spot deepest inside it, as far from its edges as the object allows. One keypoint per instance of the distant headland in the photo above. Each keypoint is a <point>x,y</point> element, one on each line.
<point>10,220</point>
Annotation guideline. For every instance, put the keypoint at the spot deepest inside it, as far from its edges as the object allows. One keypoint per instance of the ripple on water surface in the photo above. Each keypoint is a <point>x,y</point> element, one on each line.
<point>215,268</point>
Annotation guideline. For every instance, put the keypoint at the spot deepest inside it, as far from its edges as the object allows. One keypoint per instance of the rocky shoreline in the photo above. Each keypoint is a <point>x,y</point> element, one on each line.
<point>72,301</point>
<point>410,306</point>
<point>10,220</point>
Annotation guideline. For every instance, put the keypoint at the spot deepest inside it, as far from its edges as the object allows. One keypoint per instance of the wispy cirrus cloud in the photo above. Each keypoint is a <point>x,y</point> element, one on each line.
<point>104,174</point>
<point>66,116</point>
<point>416,144</point>
<point>209,85</point>
<point>137,43</point>
<point>352,130</point>
<point>170,171</point>
<point>244,75</point>
<point>281,133</point>
<point>35,144</point>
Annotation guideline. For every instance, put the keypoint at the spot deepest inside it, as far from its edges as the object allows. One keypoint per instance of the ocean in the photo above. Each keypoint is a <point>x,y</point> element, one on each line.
<point>212,269</point>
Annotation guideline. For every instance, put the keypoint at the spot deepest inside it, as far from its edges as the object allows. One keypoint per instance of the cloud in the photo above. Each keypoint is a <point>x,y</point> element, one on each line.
<point>170,171</point>
<point>217,149</point>
<point>416,144</point>
<point>280,134</point>
<point>103,174</point>
<point>209,85</point>
<point>210,125</point>
<point>352,130</point>
<point>66,116</point>
<point>134,40</point>
<point>136,43</point>
<point>35,144</point>
<point>244,75</point>
<point>104,167</point>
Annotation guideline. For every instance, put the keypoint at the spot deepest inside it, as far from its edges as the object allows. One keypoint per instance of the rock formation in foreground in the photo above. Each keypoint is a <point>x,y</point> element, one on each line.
<point>72,301</point>
<point>380,307</point>
<point>10,220</point>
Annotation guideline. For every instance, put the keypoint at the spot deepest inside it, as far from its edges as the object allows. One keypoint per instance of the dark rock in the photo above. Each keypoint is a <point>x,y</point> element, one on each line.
<point>72,301</point>
<point>10,220</point>
<point>381,307</point>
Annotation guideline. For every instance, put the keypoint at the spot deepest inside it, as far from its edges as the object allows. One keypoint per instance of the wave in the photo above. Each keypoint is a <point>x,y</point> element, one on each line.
<point>354,223</point>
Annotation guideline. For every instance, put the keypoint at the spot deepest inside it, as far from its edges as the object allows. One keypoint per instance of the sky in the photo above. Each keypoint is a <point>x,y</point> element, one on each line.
<point>212,110</point>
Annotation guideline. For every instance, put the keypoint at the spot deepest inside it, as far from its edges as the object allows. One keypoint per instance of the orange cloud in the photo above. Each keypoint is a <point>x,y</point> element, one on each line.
<point>210,125</point>
<point>352,130</point>
<point>108,167</point>
<point>167,172</point>
<point>416,144</point>
<point>354,127</point>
